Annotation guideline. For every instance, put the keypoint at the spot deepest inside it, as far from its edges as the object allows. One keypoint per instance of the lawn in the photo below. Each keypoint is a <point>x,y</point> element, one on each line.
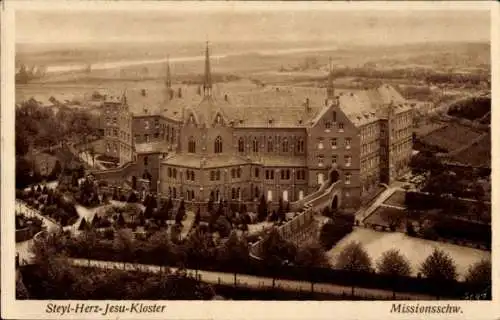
<point>415,249</point>
<point>396,199</point>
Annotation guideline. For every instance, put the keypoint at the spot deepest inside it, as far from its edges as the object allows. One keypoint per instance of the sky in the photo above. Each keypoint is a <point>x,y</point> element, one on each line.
<point>230,23</point>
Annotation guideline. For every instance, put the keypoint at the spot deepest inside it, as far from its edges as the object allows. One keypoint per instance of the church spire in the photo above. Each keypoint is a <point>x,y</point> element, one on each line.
<point>330,90</point>
<point>207,80</point>
<point>168,79</point>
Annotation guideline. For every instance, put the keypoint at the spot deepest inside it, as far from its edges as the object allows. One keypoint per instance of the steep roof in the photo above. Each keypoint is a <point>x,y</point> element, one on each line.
<point>245,104</point>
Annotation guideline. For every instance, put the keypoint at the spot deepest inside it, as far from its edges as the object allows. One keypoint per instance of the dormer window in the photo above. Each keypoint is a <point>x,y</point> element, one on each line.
<point>218,119</point>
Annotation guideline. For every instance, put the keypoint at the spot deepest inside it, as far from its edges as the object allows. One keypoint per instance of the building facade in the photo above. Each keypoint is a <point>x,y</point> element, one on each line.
<point>280,142</point>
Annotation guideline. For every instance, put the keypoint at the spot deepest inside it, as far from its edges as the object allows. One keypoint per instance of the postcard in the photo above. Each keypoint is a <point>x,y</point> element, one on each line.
<point>248,160</point>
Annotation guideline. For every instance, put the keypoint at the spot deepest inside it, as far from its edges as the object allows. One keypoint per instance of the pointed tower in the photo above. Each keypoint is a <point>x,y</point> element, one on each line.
<point>207,79</point>
<point>330,90</point>
<point>168,80</point>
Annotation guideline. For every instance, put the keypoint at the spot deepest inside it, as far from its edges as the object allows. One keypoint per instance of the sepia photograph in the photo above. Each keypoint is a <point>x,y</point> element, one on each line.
<point>265,152</point>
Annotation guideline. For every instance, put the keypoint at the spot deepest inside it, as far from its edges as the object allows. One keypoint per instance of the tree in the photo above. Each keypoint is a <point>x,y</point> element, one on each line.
<point>210,204</point>
<point>311,254</point>
<point>281,210</point>
<point>197,217</point>
<point>120,220</point>
<point>161,247</point>
<point>276,251</point>
<point>199,249</point>
<point>234,253</point>
<point>223,226</point>
<point>83,225</point>
<point>354,258</point>
<point>394,264</point>
<point>479,277</point>
<point>181,212</point>
<point>262,208</point>
<point>132,197</point>
<point>439,266</point>
<point>334,230</point>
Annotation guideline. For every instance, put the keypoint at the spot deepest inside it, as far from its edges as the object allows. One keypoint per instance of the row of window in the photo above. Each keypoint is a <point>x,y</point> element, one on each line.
<point>347,160</point>
<point>368,148</point>
<point>402,133</point>
<point>321,178</point>
<point>156,135</point>
<point>114,133</point>
<point>403,120</point>
<point>370,131</point>
<point>334,143</point>
<point>236,194</point>
<point>272,144</point>
<point>403,146</point>
<point>368,164</point>
<point>190,175</point>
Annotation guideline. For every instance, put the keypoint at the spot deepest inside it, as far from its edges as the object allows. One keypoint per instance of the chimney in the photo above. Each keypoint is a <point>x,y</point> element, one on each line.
<point>143,92</point>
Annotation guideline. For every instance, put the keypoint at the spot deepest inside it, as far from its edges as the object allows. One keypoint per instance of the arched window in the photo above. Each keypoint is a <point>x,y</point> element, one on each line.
<point>241,145</point>
<point>217,195</point>
<point>238,194</point>
<point>233,193</point>
<point>191,145</point>
<point>218,145</point>
<point>170,172</point>
<point>174,173</point>
<point>256,191</point>
<point>255,145</point>
<point>174,191</point>
<point>300,146</point>
<point>284,145</point>
<point>270,147</point>
<point>192,176</point>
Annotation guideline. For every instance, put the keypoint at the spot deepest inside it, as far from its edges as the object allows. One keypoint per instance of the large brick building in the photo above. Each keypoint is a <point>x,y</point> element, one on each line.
<point>237,143</point>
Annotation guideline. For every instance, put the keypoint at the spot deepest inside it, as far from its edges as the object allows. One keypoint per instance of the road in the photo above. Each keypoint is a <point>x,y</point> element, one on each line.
<point>257,282</point>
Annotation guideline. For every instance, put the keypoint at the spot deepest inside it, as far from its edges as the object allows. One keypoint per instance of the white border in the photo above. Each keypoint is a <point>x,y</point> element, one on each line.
<point>12,309</point>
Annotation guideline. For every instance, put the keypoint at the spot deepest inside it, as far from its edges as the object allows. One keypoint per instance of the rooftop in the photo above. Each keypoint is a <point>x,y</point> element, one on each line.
<point>151,147</point>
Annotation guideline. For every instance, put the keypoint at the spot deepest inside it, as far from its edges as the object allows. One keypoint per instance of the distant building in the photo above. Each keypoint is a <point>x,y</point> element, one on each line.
<point>280,142</point>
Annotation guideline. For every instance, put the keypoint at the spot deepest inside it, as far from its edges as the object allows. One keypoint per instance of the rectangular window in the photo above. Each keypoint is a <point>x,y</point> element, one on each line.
<point>333,143</point>
<point>328,124</point>
<point>341,126</point>
<point>347,178</point>
<point>334,160</point>
<point>348,143</point>
<point>347,161</point>
<point>321,160</point>
<point>256,172</point>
